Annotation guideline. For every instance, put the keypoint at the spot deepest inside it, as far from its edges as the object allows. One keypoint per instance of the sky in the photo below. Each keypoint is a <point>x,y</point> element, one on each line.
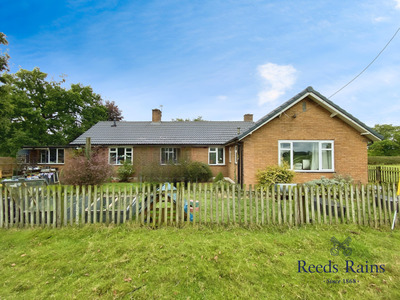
<point>213,58</point>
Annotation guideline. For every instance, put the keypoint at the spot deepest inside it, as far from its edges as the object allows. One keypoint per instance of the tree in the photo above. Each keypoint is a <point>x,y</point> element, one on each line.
<point>114,113</point>
<point>198,119</point>
<point>3,57</point>
<point>5,106</point>
<point>390,145</point>
<point>43,112</point>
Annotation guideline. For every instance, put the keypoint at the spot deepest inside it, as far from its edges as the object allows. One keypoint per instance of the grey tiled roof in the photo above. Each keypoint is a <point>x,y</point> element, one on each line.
<point>163,133</point>
<point>374,135</point>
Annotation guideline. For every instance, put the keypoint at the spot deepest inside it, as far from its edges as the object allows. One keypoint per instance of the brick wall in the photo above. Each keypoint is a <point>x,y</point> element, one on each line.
<point>315,123</point>
<point>144,156</point>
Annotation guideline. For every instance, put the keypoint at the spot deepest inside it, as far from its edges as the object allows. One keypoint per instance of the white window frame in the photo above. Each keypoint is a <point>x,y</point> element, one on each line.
<point>171,151</point>
<point>320,149</point>
<point>217,156</point>
<point>236,155</point>
<point>119,162</point>
<point>230,154</point>
<point>48,162</point>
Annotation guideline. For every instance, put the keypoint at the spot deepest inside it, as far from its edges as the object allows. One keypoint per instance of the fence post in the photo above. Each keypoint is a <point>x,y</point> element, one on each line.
<point>378,174</point>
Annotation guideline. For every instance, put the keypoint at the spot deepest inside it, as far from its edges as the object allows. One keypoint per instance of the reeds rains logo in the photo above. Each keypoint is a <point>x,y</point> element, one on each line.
<point>349,267</point>
<point>344,246</point>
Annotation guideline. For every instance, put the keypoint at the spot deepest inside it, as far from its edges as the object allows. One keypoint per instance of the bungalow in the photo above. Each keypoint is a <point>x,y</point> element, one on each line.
<point>309,132</point>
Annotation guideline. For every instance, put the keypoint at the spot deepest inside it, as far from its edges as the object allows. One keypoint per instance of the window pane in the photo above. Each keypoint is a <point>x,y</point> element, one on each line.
<point>305,156</point>
<point>327,160</point>
<point>128,156</point>
<point>60,156</point>
<point>213,158</point>
<point>121,156</point>
<point>285,156</point>
<point>326,145</point>
<point>113,158</point>
<point>285,145</point>
<point>220,155</point>
<point>53,156</point>
<point>44,156</point>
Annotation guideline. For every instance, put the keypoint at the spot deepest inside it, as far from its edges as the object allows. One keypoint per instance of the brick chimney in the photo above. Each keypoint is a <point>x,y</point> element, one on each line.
<point>248,118</point>
<point>156,116</point>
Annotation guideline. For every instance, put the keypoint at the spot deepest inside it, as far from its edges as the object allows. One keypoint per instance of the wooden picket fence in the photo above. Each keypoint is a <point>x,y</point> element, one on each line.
<point>383,174</point>
<point>156,205</point>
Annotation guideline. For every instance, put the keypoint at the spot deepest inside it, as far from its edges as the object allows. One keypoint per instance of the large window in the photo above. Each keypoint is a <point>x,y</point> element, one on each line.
<point>117,156</point>
<point>169,155</point>
<point>307,156</point>
<point>51,156</point>
<point>216,156</point>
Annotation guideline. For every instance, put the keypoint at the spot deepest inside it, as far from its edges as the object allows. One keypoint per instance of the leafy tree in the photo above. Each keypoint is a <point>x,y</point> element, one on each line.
<point>390,145</point>
<point>3,57</point>
<point>42,112</point>
<point>5,106</point>
<point>198,119</point>
<point>114,113</point>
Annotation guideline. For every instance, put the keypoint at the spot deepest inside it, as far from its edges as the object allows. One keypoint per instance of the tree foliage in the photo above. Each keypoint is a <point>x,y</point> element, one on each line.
<point>3,57</point>
<point>38,112</point>
<point>390,145</point>
<point>198,119</point>
<point>41,112</point>
<point>113,111</point>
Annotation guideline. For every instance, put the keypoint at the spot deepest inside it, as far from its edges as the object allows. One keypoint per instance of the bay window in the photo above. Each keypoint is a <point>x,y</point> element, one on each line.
<point>307,156</point>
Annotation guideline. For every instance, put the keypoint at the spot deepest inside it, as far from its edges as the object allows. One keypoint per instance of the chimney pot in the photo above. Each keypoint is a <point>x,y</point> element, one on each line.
<point>156,118</point>
<point>248,118</point>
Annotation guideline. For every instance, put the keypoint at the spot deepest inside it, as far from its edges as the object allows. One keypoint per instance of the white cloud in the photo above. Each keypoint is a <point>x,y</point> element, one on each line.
<point>380,19</point>
<point>397,4</point>
<point>278,80</point>
<point>222,97</point>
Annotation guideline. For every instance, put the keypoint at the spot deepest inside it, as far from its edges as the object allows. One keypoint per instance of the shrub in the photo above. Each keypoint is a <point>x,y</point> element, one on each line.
<point>198,172</point>
<point>336,180</point>
<point>275,174</point>
<point>83,171</point>
<point>125,171</point>
<point>219,177</point>
<point>183,172</point>
<point>384,160</point>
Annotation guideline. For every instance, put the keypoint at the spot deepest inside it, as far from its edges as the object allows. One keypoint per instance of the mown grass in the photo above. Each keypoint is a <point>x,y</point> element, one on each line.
<point>124,262</point>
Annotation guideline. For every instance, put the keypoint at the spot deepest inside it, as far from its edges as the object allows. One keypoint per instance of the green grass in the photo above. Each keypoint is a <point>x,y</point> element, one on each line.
<point>123,262</point>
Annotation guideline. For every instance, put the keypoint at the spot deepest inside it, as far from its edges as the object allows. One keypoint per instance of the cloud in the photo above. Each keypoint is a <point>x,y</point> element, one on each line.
<point>278,80</point>
<point>380,19</point>
<point>222,97</point>
<point>397,4</point>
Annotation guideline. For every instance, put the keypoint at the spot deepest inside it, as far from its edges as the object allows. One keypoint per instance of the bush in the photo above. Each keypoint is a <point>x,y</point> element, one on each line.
<point>83,171</point>
<point>219,178</point>
<point>182,172</point>
<point>198,172</point>
<point>337,179</point>
<point>125,171</point>
<point>384,160</point>
<point>275,174</point>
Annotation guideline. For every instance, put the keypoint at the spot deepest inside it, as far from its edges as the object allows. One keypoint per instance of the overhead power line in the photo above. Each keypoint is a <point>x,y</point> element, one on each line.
<point>387,44</point>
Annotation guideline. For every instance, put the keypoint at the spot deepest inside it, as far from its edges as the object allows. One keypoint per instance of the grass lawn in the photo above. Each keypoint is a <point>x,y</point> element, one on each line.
<point>124,262</point>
